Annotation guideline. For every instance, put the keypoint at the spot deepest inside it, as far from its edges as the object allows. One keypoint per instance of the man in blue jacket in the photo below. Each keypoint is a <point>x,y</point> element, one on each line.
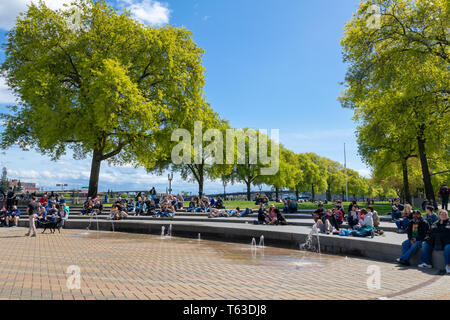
<point>13,215</point>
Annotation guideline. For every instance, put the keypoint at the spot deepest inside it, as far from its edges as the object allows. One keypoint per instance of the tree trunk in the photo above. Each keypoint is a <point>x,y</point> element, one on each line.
<point>200,185</point>
<point>296,193</point>
<point>276,193</point>
<point>406,189</point>
<point>329,194</point>
<point>95,173</point>
<point>248,190</point>
<point>425,169</point>
<point>313,193</point>
<point>343,195</point>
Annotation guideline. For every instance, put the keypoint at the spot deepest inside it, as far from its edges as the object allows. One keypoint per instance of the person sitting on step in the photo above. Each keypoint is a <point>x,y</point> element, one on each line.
<point>3,216</point>
<point>191,207</point>
<point>293,206</point>
<point>328,223</point>
<point>364,228</point>
<point>430,216</point>
<point>438,238</point>
<point>13,215</point>
<point>263,217</point>
<point>352,216</point>
<point>402,223</point>
<point>376,221</point>
<point>319,213</point>
<point>417,231</point>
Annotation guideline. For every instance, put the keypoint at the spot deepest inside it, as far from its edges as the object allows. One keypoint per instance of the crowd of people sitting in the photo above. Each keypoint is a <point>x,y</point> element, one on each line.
<point>427,234</point>
<point>49,208</point>
<point>204,204</point>
<point>361,222</point>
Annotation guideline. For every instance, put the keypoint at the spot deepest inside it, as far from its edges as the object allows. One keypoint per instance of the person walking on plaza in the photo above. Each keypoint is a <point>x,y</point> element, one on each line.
<point>438,238</point>
<point>444,192</point>
<point>32,211</point>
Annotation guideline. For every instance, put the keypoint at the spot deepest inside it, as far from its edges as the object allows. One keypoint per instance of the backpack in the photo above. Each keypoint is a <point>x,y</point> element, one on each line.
<point>445,191</point>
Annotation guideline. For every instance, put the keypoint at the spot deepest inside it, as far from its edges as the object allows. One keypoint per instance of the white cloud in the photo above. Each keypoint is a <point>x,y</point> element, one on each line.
<point>147,11</point>
<point>365,173</point>
<point>6,95</point>
<point>150,12</point>
<point>10,9</point>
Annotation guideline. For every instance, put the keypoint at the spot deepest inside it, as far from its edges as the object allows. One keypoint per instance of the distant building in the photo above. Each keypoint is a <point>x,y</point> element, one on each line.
<point>26,186</point>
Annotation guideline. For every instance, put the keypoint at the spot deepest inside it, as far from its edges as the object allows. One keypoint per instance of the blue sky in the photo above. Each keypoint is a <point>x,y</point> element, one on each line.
<point>270,65</point>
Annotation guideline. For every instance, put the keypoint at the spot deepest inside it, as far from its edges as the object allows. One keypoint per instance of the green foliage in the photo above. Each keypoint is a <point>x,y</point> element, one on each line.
<point>4,183</point>
<point>106,90</point>
<point>397,84</point>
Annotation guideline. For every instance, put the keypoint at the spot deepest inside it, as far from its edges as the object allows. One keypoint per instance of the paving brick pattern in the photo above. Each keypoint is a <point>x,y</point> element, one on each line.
<point>138,266</point>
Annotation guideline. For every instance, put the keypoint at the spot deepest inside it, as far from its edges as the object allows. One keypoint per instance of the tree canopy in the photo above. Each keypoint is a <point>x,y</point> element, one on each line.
<point>103,90</point>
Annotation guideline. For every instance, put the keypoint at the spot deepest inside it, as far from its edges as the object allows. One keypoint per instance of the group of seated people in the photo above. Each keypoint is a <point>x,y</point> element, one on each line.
<point>361,222</point>
<point>146,206</point>
<point>52,211</point>
<point>426,237</point>
<point>273,216</point>
<point>290,205</point>
<point>92,206</point>
<point>259,198</point>
<point>9,216</point>
<point>205,204</point>
<point>405,216</point>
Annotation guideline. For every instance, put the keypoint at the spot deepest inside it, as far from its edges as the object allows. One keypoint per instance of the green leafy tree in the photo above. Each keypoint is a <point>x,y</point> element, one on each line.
<point>401,70</point>
<point>251,171</point>
<point>315,174</point>
<point>197,163</point>
<point>104,90</point>
<point>4,183</point>
<point>335,178</point>
<point>288,173</point>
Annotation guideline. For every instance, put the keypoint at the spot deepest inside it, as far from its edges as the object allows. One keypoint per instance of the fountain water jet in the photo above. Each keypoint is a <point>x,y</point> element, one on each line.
<point>261,242</point>
<point>309,244</point>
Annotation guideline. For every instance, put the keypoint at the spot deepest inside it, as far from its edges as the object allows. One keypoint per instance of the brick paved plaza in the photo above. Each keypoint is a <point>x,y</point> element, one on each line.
<point>137,266</point>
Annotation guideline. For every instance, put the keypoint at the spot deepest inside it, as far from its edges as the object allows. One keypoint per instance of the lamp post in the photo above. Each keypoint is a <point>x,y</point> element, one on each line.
<point>346,182</point>
<point>170,177</point>
<point>224,183</point>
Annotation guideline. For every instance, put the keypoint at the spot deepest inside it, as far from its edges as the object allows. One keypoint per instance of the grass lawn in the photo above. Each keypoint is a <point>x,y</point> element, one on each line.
<point>382,208</point>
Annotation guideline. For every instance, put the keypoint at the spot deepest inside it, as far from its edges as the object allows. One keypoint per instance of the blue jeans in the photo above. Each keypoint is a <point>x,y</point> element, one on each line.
<point>244,213</point>
<point>361,233</point>
<point>352,222</point>
<point>402,224</point>
<point>190,209</point>
<point>427,250</point>
<point>408,249</point>
<point>199,209</point>
<point>396,215</point>
<point>166,214</point>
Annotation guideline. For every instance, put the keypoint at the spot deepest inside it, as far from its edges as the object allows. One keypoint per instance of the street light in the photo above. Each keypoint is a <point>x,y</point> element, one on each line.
<point>170,177</point>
